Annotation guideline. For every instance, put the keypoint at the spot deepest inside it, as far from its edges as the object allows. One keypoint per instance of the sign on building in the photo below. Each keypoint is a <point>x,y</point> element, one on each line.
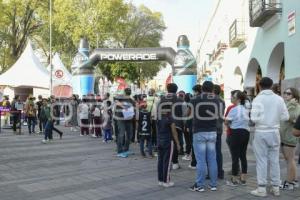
<point>292,23</point>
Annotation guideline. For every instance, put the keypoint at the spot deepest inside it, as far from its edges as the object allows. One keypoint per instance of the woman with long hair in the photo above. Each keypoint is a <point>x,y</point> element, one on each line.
<point>288,140</point>
<point>238,121</point>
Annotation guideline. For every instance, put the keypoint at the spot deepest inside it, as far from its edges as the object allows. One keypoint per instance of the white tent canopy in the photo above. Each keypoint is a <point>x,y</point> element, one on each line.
<point>60,74</point>
<point>26,72</point>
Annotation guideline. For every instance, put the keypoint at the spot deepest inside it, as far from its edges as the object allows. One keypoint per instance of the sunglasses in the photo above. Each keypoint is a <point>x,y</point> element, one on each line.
<point>287,93</point>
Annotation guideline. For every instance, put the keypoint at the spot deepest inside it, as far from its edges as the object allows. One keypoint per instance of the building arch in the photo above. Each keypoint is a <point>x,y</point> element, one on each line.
<point>275,67</point>
<point>252,77</point>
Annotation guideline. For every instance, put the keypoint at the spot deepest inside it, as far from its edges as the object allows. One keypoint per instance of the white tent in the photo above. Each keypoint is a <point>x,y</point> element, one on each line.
<point>27,72</point>
<point>60,74</point>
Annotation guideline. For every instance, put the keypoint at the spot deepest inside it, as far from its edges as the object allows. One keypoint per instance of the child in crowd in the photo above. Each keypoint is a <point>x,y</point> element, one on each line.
<point>96,116</point>
<point>107,121</point>
<point>144,129</point>
<point>166,131</point>
<point>84,117</point>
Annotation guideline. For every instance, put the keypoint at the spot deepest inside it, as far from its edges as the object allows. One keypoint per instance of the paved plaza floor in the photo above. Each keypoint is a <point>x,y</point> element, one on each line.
<point>84,168</point>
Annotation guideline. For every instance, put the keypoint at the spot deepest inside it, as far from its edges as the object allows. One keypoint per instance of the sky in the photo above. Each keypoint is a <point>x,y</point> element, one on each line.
<point>182,17</point>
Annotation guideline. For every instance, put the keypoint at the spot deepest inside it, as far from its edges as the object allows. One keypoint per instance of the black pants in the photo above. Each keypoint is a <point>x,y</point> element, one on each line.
<point>219,154</point>
<point>164,162</point>
<point>187,138</point>
<point>84,127</point>
<point>238,142</point>
<point>175,153</point>
<point>16,119</point>
<point>154,133</point>
<point>194,161</point>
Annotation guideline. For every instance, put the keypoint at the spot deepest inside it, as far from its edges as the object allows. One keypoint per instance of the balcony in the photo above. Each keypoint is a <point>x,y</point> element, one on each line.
<point>261,11</point>
<point>237,34</point>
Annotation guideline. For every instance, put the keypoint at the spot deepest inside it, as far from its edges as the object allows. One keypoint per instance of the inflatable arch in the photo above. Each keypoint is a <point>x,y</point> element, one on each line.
<point>183,63</point>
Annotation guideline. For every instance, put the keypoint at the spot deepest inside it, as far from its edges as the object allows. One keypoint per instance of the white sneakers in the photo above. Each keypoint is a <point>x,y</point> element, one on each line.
<point>186,157</point>
<point>166,185</point>
<point>175,166</point>
<point>259,192</point>
<point>169,184</point>
<point>262,191</point>
<point>44,141</point>
<point>275,191</point>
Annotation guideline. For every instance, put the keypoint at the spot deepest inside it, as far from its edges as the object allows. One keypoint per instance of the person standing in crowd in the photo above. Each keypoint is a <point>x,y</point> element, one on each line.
<point>151,107</point>
<point>187,128</point>
<point>228,129</point>
<point>181,96</point>
<point>84,117</point>
<point>16,114</point>
<point>47,120</point>
<point>56,110</point>
<point>107,121</point>
<point>166,136</point>
<point>125,112</point>
<point>288,140</point>
<point>96,116</point>
<point>74,113</point>
<point>268,109</point>
<point>296,130</point>
<point>39,104</point>
<point>220,121</point>
<point>238,121</point>
<point>207,111</point>
<point>6,105</point>
<point>30,112</point>
<point>144,129</point>
<point>197,89</point>
<point>172,99</point>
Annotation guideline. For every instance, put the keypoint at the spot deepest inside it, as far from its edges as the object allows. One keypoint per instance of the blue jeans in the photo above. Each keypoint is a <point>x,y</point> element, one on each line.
<point>124,135</point>
<point>144,138</point>
<point>204,144</point>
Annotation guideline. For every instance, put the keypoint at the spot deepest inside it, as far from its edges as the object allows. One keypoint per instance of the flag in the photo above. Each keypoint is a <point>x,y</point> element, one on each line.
<point>169,79</point>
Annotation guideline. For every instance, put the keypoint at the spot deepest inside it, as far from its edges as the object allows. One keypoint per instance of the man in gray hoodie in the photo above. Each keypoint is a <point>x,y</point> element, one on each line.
<point>268,109</point>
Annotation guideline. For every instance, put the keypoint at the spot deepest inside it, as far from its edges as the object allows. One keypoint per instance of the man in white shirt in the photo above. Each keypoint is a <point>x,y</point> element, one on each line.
<point>268,109</point>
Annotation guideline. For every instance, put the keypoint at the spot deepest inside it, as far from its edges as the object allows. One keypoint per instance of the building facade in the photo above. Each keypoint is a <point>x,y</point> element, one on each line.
<point>261,40</point>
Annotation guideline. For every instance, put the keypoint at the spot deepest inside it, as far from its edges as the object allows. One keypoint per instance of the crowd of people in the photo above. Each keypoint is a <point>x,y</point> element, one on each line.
<point>190,125</point>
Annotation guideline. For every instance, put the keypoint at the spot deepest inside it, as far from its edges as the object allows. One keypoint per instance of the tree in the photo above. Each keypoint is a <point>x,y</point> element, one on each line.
<point>142,28</point>
<point>18,22</point>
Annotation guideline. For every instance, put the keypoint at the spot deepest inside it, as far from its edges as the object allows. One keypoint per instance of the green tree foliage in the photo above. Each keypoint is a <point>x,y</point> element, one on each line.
<point>106,23</point>
<point>142,28</point>
<point>18,21</point>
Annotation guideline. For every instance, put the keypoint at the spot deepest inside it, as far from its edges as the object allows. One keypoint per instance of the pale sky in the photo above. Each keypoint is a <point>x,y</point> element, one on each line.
<point>181,17</point>
<point>187,17</point>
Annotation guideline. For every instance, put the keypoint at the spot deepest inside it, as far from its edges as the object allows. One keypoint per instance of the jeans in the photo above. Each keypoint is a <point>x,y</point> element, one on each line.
<point>204,144</point>
<point>107,134</point>
<point>48,130</point>
<point>266,147</point>
<point>124,135</point>
<point>144,138</point>
<point>31,124</point>
<point>238,143</point>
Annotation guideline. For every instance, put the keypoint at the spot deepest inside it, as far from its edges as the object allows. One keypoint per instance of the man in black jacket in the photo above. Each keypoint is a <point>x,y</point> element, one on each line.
<point>206,111</point>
